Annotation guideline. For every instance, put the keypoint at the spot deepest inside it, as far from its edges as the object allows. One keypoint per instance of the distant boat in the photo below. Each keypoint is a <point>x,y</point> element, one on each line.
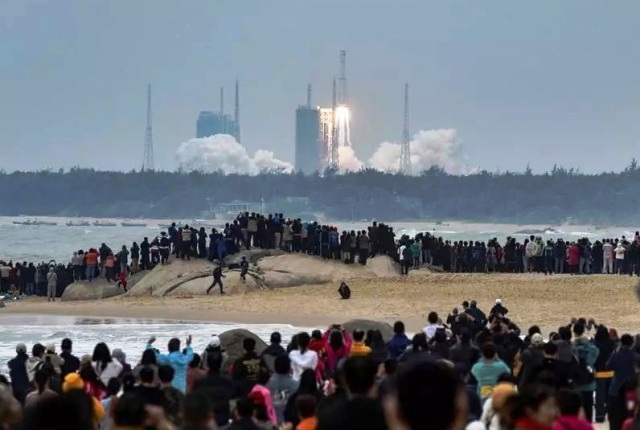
<point>133,224</point>
<point>78,223</point>
<point>34,222</point>
<point>105,224</point>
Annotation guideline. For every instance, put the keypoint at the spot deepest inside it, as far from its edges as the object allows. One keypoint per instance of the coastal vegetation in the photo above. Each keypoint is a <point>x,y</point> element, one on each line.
<point>557,196</point>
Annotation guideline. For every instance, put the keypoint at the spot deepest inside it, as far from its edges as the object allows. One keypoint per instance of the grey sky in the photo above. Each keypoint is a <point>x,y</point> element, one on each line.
<point>542,82</point>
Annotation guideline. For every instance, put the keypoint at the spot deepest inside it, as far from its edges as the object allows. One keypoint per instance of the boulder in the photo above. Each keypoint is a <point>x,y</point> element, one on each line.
<point>366,325</point>
<point>164,279</point>
<point>100,289</point>
<point>231,341</point>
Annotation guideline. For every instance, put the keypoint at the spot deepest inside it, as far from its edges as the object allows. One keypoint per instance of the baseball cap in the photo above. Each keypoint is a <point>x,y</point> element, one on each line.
<point>21,347</point>
<point>498,301</point>
<point>537,339</point>
<point>215,341</point>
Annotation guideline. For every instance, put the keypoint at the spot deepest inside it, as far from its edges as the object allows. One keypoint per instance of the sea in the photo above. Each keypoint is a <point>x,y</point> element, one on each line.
<point>130,335</point>
<point>37,243</point>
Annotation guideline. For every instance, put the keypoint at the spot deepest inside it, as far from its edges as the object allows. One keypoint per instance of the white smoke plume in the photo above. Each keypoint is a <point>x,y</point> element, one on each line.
<point>221,153</point>
<point>428,148</point>
<point>348,161</point>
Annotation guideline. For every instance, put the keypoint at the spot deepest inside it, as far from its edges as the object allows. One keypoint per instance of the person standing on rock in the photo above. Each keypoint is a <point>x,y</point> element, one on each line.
<point>165,245</point>
<point>244,269</point>
<point>52,281</point>
<point>217,279</point>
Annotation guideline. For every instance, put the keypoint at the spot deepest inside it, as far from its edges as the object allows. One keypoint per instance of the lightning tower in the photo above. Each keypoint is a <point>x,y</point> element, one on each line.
<point>236,112</point>
<point>147,161</point>
<point>405,148</point>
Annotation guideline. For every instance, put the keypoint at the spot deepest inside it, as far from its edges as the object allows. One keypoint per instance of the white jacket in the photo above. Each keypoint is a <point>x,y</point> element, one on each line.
<point>113,370</point>
<point>300,362</point>
<point>531,250</point>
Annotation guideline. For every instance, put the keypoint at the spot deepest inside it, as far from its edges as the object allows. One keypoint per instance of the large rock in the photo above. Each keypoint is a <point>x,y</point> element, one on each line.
<point>231,341</point>
<point>164,279</point>
<point>100,289</point>
<point>366,325</point>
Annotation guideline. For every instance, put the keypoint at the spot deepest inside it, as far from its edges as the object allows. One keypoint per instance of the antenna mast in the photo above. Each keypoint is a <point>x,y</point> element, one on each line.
<point>236,113</point>
<point>405,149</point>
<point>147,161</point>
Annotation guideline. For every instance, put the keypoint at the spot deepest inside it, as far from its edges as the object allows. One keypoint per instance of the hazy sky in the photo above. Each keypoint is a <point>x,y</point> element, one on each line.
<point>537,82</point>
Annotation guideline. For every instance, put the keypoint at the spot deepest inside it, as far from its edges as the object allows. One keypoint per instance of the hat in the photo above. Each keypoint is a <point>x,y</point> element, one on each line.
<point>86,359</point>
<point>118,354</point>
<point>537,339</point>
<point>501,393</point>
<point>51,347</point>
<point>498,301</point>
<point>72,381</point>
<point>21,347</point>
<point>215,341</point>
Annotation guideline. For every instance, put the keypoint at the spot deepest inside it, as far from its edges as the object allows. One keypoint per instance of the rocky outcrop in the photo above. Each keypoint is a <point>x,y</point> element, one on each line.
<point>267,269</point>
<point>231,341</point>
<point>366,325</point>
<point>100,289</point>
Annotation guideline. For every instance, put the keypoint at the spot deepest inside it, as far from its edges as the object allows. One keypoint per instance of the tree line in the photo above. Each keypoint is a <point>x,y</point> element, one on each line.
<point>549,198</point>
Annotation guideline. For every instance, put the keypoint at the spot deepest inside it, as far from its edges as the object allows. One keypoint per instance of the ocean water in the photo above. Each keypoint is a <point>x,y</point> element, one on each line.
<point>45,243</point>
<point>130,335</point>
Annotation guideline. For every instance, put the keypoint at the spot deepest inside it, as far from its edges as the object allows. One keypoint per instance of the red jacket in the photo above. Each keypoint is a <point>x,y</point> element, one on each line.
<point>574,255</point>
<point>567,422</point>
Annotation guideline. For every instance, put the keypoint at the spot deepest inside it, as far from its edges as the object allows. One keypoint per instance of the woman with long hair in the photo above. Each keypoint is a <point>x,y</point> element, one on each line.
<point>303,358</point>
<point>43,391</point>
<point>148,359</point>
<point>104,365</point>
<point>308,386</point>
<point>337,346</point>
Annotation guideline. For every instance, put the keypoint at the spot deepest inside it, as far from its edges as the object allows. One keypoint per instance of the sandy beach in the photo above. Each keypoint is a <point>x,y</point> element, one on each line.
<point>532,299</point>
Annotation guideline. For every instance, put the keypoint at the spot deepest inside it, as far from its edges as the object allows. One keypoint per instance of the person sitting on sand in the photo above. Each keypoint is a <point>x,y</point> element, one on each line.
<point>345,291</point>
<point>217,279</point>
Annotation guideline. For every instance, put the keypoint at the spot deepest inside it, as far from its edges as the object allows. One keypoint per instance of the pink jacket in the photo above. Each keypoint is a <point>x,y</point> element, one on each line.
<point>334,356</point>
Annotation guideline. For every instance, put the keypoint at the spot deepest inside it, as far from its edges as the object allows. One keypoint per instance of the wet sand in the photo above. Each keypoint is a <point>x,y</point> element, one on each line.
<point>531,299</point>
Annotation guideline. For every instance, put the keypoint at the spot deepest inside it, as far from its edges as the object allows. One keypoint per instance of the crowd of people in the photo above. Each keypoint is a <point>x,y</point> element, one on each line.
<point>472,370</point>
<point>275,231</point>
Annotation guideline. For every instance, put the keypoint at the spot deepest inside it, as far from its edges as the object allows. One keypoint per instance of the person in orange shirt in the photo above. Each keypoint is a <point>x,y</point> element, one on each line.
<point>92,262</point>
<point>109,264</point>
<point>306,408</point>
<point>358,348</point>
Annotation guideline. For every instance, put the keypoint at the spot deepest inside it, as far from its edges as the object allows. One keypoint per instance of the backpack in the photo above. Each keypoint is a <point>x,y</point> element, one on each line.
<point>584,373</point>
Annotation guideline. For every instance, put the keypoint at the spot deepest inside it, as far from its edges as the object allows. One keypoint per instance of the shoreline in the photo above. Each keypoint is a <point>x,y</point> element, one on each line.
<point>156,309</point>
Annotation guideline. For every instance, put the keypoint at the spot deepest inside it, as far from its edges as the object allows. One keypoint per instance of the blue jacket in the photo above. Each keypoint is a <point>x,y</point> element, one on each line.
<point>622,363</point>
<point>179,362</point>
<point>589,353</point>
<point>397,345</point>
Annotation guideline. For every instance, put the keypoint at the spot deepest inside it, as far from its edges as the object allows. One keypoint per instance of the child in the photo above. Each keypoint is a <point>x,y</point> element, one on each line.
<point>122,280</point>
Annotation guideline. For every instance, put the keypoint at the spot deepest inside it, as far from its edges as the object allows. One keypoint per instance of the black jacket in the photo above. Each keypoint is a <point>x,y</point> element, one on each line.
<point>244,424</point>
<point>219,390</point>
<point>18,374</point>
<point>71,364</point>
